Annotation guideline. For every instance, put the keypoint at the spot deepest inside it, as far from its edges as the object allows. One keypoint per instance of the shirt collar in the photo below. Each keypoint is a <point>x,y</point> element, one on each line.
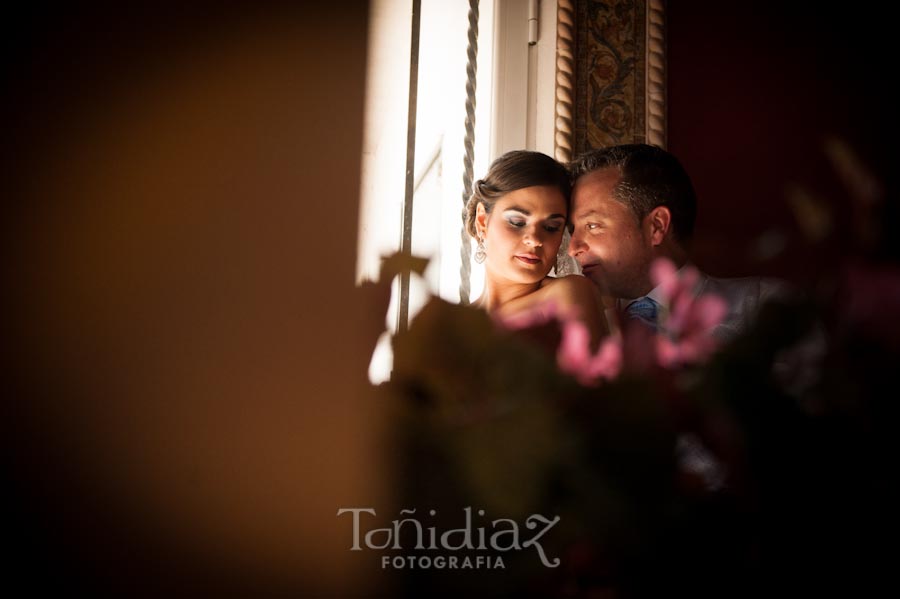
<point>655,294</point>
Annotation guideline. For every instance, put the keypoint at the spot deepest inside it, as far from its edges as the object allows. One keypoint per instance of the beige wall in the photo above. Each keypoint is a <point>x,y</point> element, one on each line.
<point>189,405</point>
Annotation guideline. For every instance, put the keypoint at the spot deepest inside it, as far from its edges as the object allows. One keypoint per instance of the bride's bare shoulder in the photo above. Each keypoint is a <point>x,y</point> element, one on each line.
<point>579,292</point>
<point>574,290</point>
<point>569,286</point>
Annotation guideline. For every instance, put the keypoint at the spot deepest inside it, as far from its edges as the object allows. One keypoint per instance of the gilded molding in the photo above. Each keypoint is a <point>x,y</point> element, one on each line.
<point>565,79</point>
<point>656,73</point>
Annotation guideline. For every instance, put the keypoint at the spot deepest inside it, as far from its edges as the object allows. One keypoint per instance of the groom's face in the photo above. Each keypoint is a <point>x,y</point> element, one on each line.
<point>608,241</point>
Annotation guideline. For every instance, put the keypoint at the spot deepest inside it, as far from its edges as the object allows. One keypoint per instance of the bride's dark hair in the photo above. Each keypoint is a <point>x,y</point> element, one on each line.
<point>515,170</point>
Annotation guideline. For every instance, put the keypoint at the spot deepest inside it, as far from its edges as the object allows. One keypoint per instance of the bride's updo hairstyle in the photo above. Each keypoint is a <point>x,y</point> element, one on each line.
<point>515,170</point>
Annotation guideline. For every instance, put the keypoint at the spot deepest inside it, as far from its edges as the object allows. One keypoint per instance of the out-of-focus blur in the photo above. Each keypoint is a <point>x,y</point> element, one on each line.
<point>187,406</point>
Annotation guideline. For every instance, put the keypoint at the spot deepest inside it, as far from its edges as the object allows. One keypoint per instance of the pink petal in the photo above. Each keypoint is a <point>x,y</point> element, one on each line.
<point>573,354</point>
<point>665,276</point>
<point>687,281</point>
<point>607,363</point>
<point>679,312</point>
<point>708,311</point>
<point>667,353</point>
<point>689,278</point>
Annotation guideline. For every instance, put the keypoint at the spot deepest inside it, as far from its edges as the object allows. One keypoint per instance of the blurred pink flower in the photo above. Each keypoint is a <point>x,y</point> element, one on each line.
<point>687,338</point>
<point>535,316</point>
<point>574,354</point>
<point>691,318</point>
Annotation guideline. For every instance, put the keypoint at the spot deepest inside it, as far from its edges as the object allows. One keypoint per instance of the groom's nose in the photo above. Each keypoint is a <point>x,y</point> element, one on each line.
<point>576,244</point>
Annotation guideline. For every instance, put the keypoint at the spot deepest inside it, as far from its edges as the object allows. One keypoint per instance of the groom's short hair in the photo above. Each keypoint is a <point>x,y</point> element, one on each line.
<point>651,177</point>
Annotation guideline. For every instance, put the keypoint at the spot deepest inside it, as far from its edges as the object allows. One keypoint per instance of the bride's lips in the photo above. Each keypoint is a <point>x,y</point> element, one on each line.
<point>528,258</point>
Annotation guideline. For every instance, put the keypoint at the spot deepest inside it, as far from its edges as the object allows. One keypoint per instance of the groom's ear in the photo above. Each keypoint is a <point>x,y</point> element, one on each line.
<point>659,221</point>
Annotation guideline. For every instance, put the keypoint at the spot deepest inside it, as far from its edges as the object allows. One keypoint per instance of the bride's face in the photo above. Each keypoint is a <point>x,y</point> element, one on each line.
<point>522,234</point>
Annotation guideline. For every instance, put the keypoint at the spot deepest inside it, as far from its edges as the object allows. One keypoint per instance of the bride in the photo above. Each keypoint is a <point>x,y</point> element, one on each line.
<point>518,214</point>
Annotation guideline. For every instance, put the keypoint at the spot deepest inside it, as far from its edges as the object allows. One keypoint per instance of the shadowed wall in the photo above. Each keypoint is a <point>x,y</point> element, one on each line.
<point>754,93</point>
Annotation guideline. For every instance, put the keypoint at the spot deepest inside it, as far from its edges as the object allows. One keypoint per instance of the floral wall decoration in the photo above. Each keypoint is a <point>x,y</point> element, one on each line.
<point>610,66</point>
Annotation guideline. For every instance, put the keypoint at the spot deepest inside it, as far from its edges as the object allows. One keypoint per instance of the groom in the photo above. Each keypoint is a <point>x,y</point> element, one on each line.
<point>632,204</point>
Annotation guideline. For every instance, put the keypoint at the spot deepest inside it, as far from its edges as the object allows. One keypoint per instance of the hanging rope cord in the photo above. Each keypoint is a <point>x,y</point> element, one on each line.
<point>465,268</point>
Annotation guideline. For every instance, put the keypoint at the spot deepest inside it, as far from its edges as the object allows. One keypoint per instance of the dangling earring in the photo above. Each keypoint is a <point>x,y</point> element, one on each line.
<point>480,254</point>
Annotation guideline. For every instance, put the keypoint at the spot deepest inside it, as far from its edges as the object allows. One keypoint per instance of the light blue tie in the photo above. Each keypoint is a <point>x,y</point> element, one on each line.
<point>644,310</point>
